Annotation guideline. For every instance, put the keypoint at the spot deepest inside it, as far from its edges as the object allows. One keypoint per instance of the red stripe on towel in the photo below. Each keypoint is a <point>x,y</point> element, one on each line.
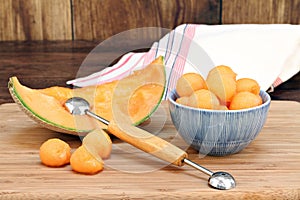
<point>122,74</point>
<point>277,82</point>
<point>181,58</point>
<point>108,72</point>
<point>150,55</point>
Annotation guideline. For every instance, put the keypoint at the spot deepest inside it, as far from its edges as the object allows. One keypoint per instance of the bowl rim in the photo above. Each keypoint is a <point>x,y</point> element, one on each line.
<point>264,104</point>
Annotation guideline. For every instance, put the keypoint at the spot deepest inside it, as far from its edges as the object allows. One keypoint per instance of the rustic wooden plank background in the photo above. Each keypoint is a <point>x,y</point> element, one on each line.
<point>35,20</point>
<point>260,12</point>
<point>121,15</point>
<point>99,19</point>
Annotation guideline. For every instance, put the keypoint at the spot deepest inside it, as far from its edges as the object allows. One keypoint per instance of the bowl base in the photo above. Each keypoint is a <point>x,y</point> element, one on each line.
<point>219,149</point>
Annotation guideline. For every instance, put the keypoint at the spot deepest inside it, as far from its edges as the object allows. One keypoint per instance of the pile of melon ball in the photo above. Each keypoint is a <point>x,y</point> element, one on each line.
<point>86,159</point>
<point>220,90</point>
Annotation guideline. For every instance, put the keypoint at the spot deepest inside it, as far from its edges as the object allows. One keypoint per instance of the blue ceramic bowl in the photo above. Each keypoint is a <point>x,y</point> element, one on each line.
<point>218,132</point>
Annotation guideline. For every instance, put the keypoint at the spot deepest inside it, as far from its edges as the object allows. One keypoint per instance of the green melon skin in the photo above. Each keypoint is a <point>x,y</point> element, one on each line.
<point>37,118</point>
<point>158,103</point>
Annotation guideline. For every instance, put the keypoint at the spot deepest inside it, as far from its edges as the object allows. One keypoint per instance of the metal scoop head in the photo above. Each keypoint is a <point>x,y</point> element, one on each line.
<point>222,181</point>
<point>217,180</point>
<point>77,106</point>
<point>80,106</point>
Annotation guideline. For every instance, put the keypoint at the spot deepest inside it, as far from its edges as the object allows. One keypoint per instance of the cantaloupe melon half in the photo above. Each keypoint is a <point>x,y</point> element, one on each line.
<point>140,96</point>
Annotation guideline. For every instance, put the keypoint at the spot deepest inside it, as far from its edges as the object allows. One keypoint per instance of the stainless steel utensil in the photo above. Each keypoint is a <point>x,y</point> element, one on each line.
<point>151,144</point>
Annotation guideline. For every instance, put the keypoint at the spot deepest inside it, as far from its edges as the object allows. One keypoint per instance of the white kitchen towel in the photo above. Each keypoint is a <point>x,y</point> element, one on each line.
<point>269,54</point>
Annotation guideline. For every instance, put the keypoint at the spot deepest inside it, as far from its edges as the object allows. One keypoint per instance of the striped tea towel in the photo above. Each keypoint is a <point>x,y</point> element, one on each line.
<point>269,54</point>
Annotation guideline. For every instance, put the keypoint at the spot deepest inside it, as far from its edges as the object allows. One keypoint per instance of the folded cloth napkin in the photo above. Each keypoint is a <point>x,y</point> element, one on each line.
<point>269,54</point>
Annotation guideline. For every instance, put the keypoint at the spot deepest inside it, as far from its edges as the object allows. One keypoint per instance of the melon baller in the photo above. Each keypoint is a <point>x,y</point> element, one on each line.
<point>152,144</point>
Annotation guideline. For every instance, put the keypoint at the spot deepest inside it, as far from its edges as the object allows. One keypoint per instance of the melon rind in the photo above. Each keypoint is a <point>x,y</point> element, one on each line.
<point>160,99</point>
<point>68,130</point>
<point>37,118</point>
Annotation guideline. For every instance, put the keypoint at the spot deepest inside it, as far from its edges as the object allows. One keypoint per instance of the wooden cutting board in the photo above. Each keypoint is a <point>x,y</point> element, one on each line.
<point>269,168</point>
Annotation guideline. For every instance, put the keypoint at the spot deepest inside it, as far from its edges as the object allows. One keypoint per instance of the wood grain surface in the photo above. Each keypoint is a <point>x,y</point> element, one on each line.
<point>122,15</point>
<point>98,20</point>
<point>35,20</point>
<point>95,19</point>
<point>269,168</point>
<point>40,65</point>
<point>260,12</point>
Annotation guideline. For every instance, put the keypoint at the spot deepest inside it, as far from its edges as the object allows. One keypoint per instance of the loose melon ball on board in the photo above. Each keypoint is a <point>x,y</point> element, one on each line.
<point>55,153</point>
<point>82,161</point>
<point>244,100</point>
<point>247,84</point>
<point>204,99</point>
<point>188,83</point>
<point>221,80</point>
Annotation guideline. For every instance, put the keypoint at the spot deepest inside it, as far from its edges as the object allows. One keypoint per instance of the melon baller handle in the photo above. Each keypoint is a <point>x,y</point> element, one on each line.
<point>144,141</point>
<point>150,143</point>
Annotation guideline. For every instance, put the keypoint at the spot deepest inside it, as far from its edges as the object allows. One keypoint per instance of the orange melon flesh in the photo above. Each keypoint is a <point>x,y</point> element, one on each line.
<point>138,95</point>
<point>99,97</point>
<point>143,101</point>
<point>150,82</point>
<point>48,110</point>
<point>59,93</point>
